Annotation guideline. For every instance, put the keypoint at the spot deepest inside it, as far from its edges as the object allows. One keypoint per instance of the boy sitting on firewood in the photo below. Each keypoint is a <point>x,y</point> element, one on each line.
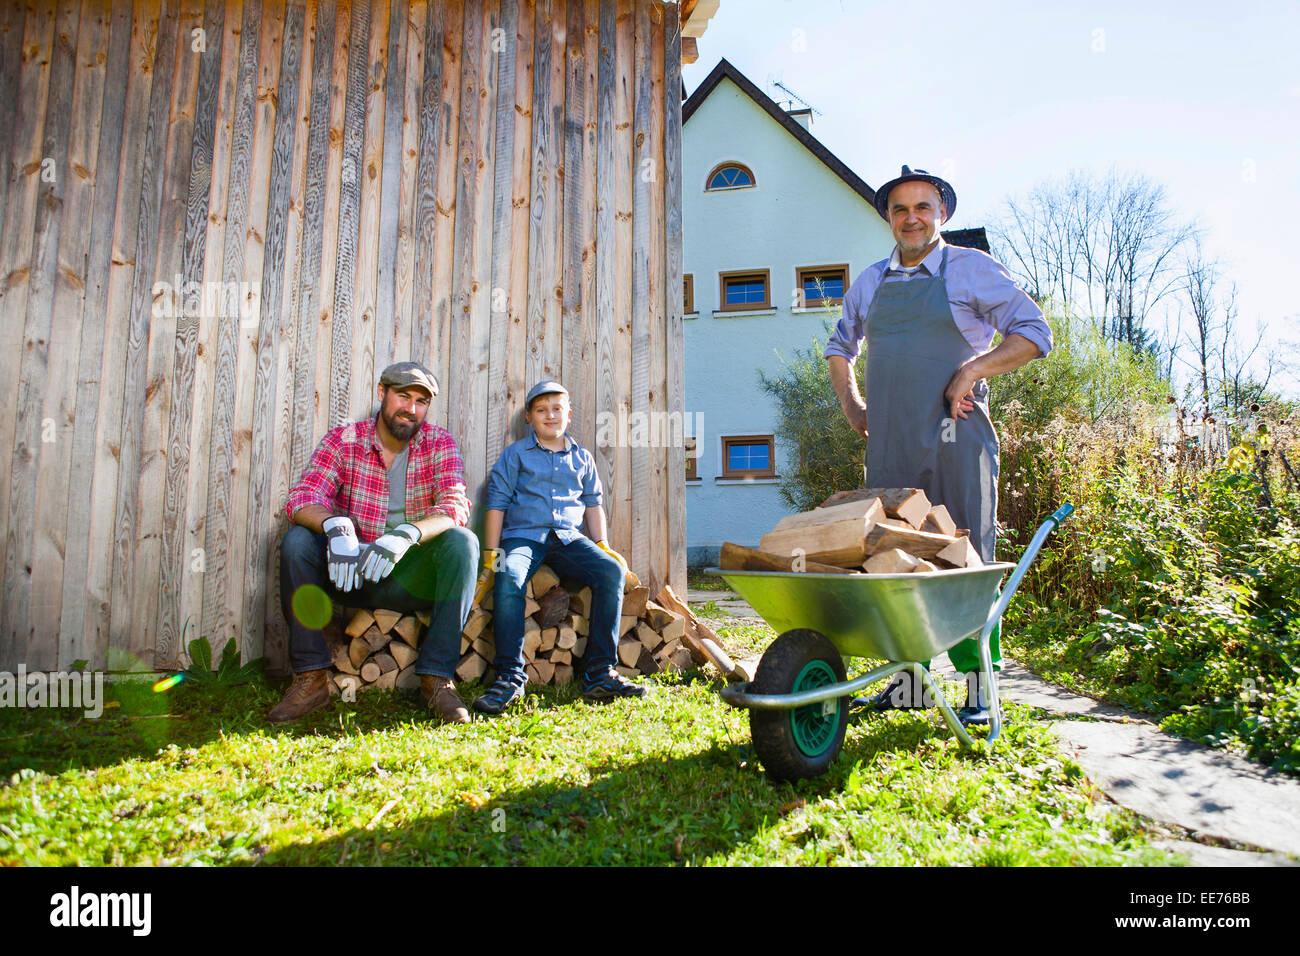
<point>540,492</point>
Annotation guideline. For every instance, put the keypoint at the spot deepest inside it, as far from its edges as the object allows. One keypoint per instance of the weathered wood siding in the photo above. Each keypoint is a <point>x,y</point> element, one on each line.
<point>220,219</point>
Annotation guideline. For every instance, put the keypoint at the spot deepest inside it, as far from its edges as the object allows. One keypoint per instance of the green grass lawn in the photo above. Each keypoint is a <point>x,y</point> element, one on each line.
<point>196,775</point>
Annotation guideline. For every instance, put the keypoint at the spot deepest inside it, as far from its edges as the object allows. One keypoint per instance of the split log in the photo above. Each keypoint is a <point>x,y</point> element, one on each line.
<point>864,508</point>
<point>961,554</point>
<point>376,638</point>
<point>531,607</point>
<point>910,504</point>
<point>581,602</point>
<point>478,619</point>
<point>746,669</point>
<point>628,672</point>
<point>358,651</point>
<point>891,561</point>
<point>554,608</point>
<point>408,629</point>
<point>629,651</point>
<point>545,670</point>
<point>403,654</point>
<point>646,663</point>
<point>634,601</point>
<point>560,657</point>
<point>343,658</point>
<point>922,565</point>
<point>563,675</point>
<point>385,619</point>
<point>625,624</point>
<point>580,648</point>
<point>696,631</point>
<point>674,629</point>
<point>361,620</point>
<point>630,581</point>
<point>370,672</point>
<point>483,647</point>
<point>423,618</point>
<point>549,636</point>
<point>648,636</point>
<point>532,641</point>
<point>657,616</point>
<point>471,667</point>
<point>939,521</point>
<point>407,678</point>
<point>919,544</point>
<point>735,557</point>
<point>386,681</point>
<point>386,662</point>
<point>566,638</point>
<point>542,581</point>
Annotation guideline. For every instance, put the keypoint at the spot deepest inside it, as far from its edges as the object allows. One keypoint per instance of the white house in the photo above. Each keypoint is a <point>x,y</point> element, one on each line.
<point>775,229</point>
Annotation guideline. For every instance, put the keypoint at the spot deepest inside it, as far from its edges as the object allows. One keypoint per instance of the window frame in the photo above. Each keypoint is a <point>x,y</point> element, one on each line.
<point>829,301</point>
<point>764,274</point>
<point>752,184</point>
<point>688,287</point>
<point>740,473</point>
<point>691,447</point>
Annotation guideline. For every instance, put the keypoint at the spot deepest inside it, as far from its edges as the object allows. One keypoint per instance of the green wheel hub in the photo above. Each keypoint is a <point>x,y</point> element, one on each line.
<point>814,726</point>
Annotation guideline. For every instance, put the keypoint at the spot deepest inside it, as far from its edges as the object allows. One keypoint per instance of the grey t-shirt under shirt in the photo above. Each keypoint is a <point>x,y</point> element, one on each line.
<point>397,491</point>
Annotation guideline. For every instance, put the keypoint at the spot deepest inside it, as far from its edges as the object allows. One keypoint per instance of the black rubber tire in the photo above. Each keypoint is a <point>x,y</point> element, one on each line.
<point>773,732</point>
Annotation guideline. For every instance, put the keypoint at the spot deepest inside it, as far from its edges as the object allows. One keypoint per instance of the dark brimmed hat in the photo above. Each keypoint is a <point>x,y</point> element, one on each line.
<point>402,374</point>
<point>946,193</point>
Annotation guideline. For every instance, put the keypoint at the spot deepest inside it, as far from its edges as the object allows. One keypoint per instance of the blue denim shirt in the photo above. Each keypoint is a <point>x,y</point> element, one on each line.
<point>542,491</point>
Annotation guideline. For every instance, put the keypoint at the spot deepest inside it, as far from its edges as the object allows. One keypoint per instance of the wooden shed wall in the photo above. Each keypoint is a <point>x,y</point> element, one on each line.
<point>491,187</point>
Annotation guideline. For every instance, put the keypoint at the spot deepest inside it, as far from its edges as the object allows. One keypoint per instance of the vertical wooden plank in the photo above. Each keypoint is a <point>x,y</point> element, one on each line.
<point>310,284</point>
<point>553,343</point>
<point>427,187</point>
<point>130,634</point>
<point>32,596</point>
<point>606,369</point>
<point>12,17</point>
<point>341,394</point>
<point>390,213</point>
<point>78,600</point>
<point>675,372</point>
<point>102,573</point>
<point>621,520</point>
<point>59,579</point>
<point>404,262</point>
<point>585,385</point>
<point>444,230</point>
<point>503,82</point>
<point>657,537</point>
<point>364,324</point>
<point>333,197</point>
<point>468,341</point>
<point>220,310</point>
<point>517,384</point>
<point>173,561</point>
<point>218,622</point>
<point>481,290</point>
<point>570,277</point>
<point>542,205</point>
<point>639,453</point>
<point>260,505</point>
<point>167,307</point>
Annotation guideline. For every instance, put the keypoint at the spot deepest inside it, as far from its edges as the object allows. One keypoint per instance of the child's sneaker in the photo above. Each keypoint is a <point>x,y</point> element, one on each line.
<point>609,686</point>
<point>499,696</point>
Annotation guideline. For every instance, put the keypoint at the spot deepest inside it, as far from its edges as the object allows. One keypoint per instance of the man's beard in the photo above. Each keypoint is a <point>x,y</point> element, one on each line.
<point>401,430</point>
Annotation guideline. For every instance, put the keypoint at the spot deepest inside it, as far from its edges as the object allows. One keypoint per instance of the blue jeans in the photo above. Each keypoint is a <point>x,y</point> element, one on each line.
<point>578,560</point>
<point>437,575</point>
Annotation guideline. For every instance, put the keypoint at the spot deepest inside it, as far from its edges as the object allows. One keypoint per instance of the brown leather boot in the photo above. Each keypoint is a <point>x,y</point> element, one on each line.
<point>309,692</point>
<point>439,695</point>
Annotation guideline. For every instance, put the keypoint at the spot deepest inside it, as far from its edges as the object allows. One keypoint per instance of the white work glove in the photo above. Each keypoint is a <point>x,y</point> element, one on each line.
<point>384,552</point>
<point>343,553</point>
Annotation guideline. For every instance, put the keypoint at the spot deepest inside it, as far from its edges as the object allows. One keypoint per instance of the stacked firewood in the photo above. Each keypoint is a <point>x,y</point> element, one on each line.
<point>868,530</point>
<point>378,649</point>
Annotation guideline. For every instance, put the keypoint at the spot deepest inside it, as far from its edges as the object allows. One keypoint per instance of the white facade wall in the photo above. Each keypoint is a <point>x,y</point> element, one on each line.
<point>799,214</point>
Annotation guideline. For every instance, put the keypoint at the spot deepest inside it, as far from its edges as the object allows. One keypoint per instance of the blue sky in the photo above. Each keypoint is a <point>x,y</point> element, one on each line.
<point>1201,97</point>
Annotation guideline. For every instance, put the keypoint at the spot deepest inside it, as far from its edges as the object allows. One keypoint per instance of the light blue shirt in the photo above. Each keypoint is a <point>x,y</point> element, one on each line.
<point>542,491</point>
<point>983,296</point>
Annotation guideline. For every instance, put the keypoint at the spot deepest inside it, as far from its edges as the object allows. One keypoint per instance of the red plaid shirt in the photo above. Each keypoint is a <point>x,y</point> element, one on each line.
<point>346,474</point>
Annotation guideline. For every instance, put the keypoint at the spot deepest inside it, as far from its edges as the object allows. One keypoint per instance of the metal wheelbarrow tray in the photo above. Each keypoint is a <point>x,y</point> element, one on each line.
<point>798,710</point>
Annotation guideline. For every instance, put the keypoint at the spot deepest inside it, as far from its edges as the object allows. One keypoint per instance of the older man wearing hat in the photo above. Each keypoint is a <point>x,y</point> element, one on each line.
<point>928,315</point>
<point>379,521</point>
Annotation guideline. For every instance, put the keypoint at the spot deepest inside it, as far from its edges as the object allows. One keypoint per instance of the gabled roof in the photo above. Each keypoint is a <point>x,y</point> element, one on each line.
<point>973,238</point>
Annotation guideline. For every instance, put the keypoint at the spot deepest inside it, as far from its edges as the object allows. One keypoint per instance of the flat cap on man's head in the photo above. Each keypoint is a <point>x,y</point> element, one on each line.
<point>544,388</point>
<point>403,374</point>
<point>947,195</point>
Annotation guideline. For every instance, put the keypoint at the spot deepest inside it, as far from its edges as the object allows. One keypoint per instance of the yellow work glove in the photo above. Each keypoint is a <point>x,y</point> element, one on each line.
<point>604,546</point>
<point>486,574</point>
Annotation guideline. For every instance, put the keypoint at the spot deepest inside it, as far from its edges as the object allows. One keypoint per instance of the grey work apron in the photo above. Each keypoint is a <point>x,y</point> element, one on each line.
<point>913,350</point>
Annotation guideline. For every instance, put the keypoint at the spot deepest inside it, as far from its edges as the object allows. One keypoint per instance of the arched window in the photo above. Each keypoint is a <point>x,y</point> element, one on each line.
<point>730,176</point>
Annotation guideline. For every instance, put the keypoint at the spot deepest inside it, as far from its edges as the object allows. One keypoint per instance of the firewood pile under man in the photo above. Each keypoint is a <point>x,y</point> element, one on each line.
<point>927,316</point>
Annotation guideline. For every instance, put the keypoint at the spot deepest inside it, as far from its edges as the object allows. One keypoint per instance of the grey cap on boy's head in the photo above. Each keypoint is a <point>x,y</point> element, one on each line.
<point>402,374</point>
<point>544,388</point>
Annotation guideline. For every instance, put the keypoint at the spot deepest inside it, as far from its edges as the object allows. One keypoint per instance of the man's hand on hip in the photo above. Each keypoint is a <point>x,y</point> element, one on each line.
<point>342,553</point>
<point>382,554</point>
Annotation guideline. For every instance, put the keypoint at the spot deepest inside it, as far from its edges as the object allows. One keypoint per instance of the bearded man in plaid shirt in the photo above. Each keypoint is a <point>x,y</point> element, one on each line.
<point>379,519</point>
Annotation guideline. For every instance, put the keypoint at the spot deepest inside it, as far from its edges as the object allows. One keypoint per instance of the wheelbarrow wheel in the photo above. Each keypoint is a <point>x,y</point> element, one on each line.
<point>801,742</point>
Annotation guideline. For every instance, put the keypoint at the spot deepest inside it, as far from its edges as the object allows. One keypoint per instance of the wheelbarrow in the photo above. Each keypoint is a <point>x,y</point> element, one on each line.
<point>798,700</point>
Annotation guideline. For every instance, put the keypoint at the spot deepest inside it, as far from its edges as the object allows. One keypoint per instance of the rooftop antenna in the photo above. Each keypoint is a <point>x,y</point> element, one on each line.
<point>795,97</point>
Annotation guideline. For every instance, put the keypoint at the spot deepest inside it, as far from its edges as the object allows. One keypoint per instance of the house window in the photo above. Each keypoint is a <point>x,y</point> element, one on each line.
<point>823,285</point>
<point>739,291</point>
<point>730,176</point>
<point>748,456</point>
<point>688,289</point>
<point>692,458</point>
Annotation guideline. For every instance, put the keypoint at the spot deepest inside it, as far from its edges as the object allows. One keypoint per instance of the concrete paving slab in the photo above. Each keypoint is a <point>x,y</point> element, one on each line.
<point>1205,791</point>
<point>1203,854</point>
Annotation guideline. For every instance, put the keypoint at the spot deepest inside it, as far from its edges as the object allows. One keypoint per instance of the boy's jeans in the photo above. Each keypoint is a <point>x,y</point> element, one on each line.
<point>437,575</point>
<point>579,560</point>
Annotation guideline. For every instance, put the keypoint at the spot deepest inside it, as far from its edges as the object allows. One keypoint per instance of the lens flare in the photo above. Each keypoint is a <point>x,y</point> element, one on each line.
<point>167,683</point>
<point>312,606</point>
